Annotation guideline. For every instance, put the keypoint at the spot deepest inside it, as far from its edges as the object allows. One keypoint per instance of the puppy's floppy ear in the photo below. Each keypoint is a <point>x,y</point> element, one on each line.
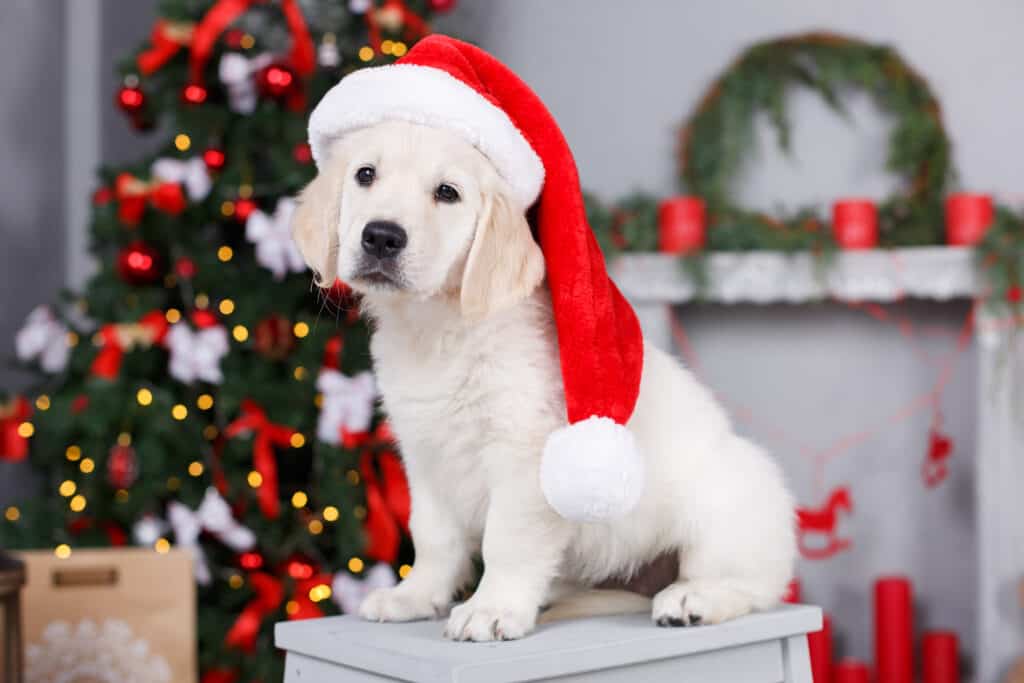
<point>505,265</point>
<point>316,220</point>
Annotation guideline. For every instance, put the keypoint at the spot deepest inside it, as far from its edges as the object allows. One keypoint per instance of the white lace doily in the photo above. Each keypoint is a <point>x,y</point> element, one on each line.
<point>108,652</point>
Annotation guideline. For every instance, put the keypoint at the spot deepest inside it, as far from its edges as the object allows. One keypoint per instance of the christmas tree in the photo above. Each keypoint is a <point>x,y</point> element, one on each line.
<point>200,393</point>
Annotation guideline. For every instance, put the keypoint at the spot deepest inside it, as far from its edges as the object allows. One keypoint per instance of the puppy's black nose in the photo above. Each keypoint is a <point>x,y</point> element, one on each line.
<point>384,239</point>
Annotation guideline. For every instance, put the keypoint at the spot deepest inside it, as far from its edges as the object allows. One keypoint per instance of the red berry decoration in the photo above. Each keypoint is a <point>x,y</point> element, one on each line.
<point>276,81</point>
<point>139,264</point>
<point>214,159</point>
<point>122,467</point>
<point>442,5</point>
<point>243,208</point>
<point>131,100</point>
<point>303,153</point>
<point>185,268</point>
<point>194,93</point>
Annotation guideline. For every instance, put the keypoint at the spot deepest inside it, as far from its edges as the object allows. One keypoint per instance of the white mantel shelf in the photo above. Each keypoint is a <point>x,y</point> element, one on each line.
<point>655,283</point>
<point>763,277</point>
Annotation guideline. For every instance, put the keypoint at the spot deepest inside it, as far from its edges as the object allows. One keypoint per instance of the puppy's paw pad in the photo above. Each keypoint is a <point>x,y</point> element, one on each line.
<point>482,623</point>
<point>395,604</point>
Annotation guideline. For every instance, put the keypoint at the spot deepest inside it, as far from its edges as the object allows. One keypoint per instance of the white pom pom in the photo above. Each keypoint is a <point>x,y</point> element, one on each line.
<point>591,471</point>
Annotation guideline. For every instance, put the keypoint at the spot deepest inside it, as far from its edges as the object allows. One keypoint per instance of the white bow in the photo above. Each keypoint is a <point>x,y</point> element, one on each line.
<point>43,337</point>
<point>347,403</point>
<point>148,530</point>
<point>349,592</point>
<point>213,515</point>
<point>196,354</point>
<point>236,72</point>
<point>272,236</point>
<point>191,173</point>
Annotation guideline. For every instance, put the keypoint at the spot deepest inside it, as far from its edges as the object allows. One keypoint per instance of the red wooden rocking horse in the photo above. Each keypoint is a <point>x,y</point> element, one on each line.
<point>822,522</point>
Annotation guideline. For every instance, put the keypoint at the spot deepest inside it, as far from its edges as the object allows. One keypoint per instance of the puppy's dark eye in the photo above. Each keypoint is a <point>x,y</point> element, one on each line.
<point>446,193</point>
<point>365,175</point>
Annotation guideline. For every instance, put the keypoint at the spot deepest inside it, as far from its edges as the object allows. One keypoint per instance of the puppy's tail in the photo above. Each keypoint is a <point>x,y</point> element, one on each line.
<point>595,603</point>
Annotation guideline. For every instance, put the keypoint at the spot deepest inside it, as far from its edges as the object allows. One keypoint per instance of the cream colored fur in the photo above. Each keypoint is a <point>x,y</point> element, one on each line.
<point>467,363</point>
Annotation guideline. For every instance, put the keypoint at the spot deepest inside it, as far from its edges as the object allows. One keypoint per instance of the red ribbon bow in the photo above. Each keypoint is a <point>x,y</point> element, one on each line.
<point>266,435</point>
<point>269,594</point>
<point>13,446</point>
<point>302,56</point>
<point>133,194</point>
<point>387,505</point>
<point>120,337</point>
<point>167,38</point>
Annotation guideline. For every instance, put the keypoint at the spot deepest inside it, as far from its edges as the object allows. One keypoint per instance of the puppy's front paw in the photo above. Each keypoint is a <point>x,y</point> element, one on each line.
<point>481,620</point>
<point>693,603</point>
<point>401,604</point>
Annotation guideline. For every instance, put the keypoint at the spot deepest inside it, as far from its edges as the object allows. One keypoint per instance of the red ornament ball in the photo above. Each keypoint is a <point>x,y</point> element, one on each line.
<point>1014,294</point>
<point>214,159</point>
<point>122,467</point>
<point>250,561</point>
<point>139,263</point>
<point>276,81</point>
<point>131,100</point>
<point>303,153</point>
<point>243,209</point>
<point>203,318</point>
<point>442,5</point>
<point>194,94</point>
<point>273,337</point>
<point>185,268</point>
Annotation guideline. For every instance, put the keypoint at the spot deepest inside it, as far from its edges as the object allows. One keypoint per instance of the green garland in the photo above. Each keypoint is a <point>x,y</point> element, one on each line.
<point>716,140</point>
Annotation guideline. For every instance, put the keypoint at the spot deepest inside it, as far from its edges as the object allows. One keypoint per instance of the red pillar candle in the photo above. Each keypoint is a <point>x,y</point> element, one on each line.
<point>851,670</point>
<point>894,629</point>
<point>940,661</point>
<point>820,645</point>
<point>968,217</point>
<point>855,223</point>
<point>681,225</point>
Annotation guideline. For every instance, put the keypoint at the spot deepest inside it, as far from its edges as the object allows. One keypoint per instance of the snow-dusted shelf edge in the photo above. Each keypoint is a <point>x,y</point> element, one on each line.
<point>773,277</point>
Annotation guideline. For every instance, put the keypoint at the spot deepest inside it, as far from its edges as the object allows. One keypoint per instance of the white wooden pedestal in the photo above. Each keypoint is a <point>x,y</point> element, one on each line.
<point>761,648</point>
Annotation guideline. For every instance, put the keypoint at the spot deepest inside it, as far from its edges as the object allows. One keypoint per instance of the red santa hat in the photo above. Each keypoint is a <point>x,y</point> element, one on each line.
<point>591,469</point>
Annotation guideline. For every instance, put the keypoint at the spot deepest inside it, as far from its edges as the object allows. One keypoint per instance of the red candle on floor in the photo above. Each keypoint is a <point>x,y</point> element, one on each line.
<point>820,645</point>
<point>894,630</point>
<point>968,217</point>
<point>940,661</point>
<point>851,670</point>
<point>681,225</point>
<point>855,223</point>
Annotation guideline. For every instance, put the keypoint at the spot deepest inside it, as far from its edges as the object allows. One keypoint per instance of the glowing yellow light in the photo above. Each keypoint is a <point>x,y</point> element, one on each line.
<point>12,514</point>
<point>73,453</point>
<point>297,440</point>
<point>331,513</point>
<point>404,570</point>
<point>144,396</point>
<point>63,551</point>
<point>173,483</point>
<point>172,315</point>
<point>247,41</point>
<point>43,402</point>
<point>240,333</point>
<point>399,49</point>
<point>355,565</point>
<point>255,479</point>
<point>300,330</point>
<point>202,300</point>
<point>195,468</point>
<point>359,512</point>
<point>245,190</point>
<point>121,495</point>
<point>124,439</point>
<point>67,488</point>
<point>179,412</point>
<point>299,499</point>
<point>236,581</point>
<point>87,465</point>
<point>226,307</point>
<point>77,503</point>
<point>204,402</point>
<point>227,208</point>
<point>182,142</point>
<point>366,53</point>
<point>316,527</point>
<point>291,607</point>
<point>319,592</point>
<point>224,253</point>
<point>72,339</point>
<point>353,477</point>
<point>210,432</point>
<point>386,46</point>
<point>299,373</point>
<point>162,546</point>
<point>26,429</point>
<point>318,400</point>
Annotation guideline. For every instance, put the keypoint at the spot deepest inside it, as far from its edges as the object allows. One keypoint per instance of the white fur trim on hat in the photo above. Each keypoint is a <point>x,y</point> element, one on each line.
<point>592,471</point>
<point>432,97</point>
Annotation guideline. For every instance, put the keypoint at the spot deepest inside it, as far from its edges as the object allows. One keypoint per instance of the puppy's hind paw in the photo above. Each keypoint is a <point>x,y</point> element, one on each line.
<point>695,603</point>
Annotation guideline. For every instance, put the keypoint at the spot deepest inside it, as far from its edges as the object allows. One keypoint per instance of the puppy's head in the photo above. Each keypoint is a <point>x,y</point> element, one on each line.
<point>401,210</point>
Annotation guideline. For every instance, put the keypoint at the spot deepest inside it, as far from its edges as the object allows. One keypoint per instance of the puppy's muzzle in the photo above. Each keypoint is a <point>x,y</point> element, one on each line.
<point>384,239</point>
